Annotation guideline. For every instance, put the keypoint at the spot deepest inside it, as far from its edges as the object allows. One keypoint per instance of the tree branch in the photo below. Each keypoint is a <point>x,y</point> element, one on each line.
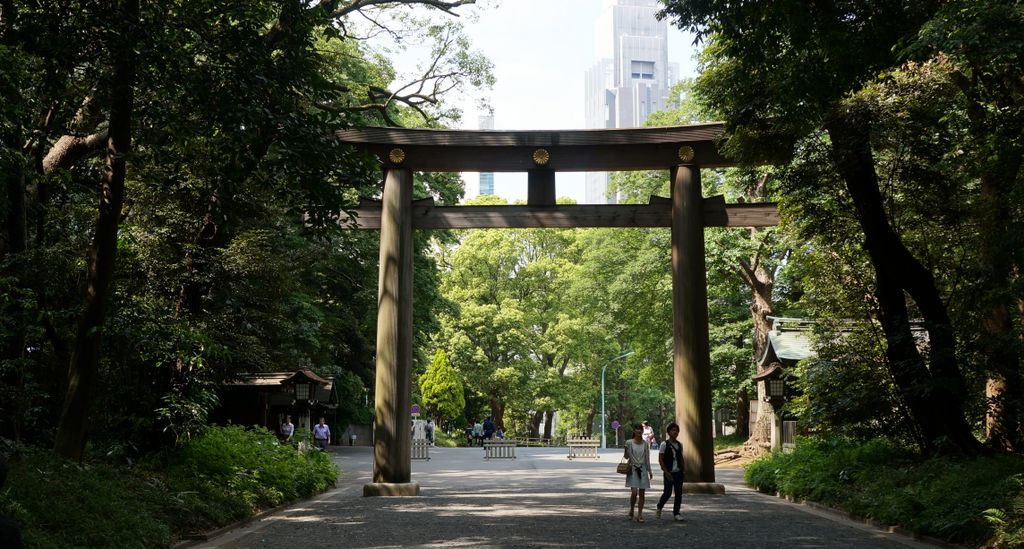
<point>356,5</point>
<point>69,149</point>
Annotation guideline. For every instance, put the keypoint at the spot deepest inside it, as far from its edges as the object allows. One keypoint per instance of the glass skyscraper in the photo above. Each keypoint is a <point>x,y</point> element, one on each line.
<point>632,77</point>
<point>486,122</point>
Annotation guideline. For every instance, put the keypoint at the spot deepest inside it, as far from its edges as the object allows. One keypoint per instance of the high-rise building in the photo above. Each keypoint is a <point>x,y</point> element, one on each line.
<point>486,122</point>
<point>632,77</point>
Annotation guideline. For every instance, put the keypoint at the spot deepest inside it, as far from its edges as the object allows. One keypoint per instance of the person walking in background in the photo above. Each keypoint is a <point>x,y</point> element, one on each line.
<point>638,454</point>
<point>488,429</point>
<point>478,434</point>
<point>287,429</point>
<point>648,434</point>
<point>321,434</point>
<point>670,457</point>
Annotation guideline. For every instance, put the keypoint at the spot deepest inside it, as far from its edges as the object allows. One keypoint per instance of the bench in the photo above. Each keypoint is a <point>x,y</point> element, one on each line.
<point>421,449</point>
<point>581,447</point>
<point>499,449</point>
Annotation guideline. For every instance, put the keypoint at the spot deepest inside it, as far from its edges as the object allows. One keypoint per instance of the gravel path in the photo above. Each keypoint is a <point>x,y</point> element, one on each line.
<point>540,499</point>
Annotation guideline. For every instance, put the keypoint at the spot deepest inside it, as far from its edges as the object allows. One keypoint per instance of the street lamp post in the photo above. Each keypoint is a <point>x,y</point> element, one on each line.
<point>604,442</point>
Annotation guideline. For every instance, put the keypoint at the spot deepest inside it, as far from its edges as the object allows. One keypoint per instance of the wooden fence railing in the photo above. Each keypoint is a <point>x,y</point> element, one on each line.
<point>582,447</point>
<point>499,449</point>
<point>421,449</point>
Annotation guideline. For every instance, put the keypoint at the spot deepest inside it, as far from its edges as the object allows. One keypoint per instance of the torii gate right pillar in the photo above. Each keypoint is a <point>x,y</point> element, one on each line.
<point>692,354</point>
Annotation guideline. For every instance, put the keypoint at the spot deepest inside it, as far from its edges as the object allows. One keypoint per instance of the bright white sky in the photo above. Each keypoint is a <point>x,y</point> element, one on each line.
<point>540,50</point>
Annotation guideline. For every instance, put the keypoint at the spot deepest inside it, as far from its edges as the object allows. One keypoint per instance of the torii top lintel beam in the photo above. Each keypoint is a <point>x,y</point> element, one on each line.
<point>431,150</point>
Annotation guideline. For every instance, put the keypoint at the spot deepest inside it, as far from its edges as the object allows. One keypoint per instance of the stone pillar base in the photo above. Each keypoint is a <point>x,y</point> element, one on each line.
<point>703,488</point>
<point>391,489</point>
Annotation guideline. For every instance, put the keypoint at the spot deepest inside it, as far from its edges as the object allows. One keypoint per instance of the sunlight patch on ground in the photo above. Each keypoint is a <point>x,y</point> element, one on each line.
<point>531,494</point>
<point>489,510</point>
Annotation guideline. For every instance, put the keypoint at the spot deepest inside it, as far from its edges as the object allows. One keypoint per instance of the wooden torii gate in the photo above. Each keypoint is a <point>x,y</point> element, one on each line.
<point>681,149</point>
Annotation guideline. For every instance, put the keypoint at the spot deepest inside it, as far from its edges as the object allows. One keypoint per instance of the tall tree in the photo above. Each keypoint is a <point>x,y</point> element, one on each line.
<point>213,128</point>
<point>442,388</point>
<point>83,370</point>
<point>980,41</point>
<point>779,71</point>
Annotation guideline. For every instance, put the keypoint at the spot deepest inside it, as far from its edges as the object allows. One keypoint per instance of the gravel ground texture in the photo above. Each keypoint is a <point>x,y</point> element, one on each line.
<point>540,499</point>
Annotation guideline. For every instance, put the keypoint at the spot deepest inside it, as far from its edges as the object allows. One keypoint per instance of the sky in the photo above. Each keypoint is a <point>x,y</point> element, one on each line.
<point>540,50</point>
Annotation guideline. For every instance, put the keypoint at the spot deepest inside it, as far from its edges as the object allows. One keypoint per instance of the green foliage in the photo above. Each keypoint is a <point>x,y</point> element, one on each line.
<point>354,406</point>
<point>233,471</point>
<point>964,501</point>
<point>1008,522</point>
<point>442,440</point>
<point>59,503</point>
<point>220,476</point>
<point>442,388</point>
<point>230,258</point>
<point>845,392</point>
<point>728,441</point>
<point>191,398</point>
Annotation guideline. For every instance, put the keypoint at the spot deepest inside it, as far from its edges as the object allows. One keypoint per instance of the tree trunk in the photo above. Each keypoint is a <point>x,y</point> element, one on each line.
<point>83,370</point>
<point>498,413</point>
<point>1001,342</point>
<point>590,423</point>
<point>535,424</point>
<point>760,440</point>
<point>999,161</point>
<point>549,419</point>
<point>933,395</point>
<point>760,281</point>
<point>743,414</point>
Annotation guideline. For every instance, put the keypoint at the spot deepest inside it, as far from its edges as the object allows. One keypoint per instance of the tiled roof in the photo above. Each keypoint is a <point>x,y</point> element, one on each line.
<point>790,339</point>
<point>275,379</point>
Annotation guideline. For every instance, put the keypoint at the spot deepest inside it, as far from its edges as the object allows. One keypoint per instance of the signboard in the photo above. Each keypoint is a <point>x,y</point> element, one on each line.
<point>415,410</point>
<point>615,424</point>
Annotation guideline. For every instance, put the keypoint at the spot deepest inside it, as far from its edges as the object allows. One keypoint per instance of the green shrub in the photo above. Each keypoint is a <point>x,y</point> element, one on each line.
<point>232,471</point>
<point>442,440</point>
<point>1008,523</point>
<point>59,503</point>
<point>965,501</point>
<point>223,475</point>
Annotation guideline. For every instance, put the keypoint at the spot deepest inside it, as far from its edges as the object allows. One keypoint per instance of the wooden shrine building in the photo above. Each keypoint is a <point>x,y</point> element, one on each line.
<point>683,150</point>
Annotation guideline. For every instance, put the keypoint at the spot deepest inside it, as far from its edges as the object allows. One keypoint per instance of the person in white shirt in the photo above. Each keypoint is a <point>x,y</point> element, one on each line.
<point>637,453</point>
<point>321,434</point>
<point>648,434</point>
<point>287,429</point>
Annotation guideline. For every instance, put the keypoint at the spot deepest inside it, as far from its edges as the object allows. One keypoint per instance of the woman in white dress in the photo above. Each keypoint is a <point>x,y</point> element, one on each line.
<point>638,454</point>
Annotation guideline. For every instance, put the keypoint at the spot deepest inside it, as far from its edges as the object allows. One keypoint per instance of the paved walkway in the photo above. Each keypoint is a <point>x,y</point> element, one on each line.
<point>540,499</point>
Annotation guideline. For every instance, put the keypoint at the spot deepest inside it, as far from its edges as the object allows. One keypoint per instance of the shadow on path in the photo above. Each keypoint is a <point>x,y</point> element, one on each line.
<point>540,499</point>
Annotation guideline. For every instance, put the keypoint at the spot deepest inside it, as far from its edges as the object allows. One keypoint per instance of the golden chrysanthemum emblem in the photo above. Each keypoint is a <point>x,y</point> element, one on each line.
<point>396,156</point>
<point>541,157</point>
<point>686,153</point>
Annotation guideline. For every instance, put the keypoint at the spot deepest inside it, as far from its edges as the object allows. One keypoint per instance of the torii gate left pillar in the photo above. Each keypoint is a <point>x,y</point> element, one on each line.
<point>392,459</point>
